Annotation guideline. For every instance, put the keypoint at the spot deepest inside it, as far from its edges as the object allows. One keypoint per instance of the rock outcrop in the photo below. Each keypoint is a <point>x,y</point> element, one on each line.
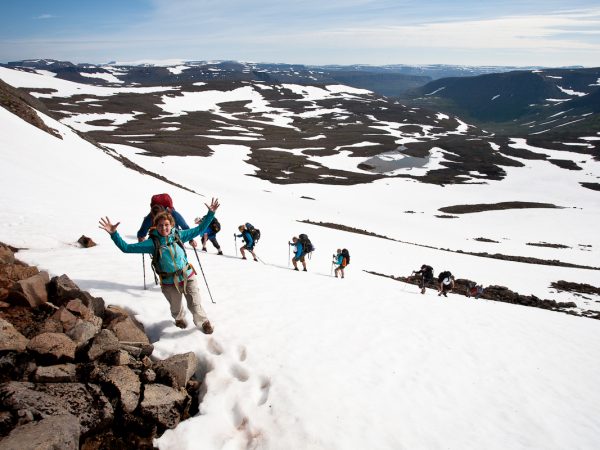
<point>76,374</point>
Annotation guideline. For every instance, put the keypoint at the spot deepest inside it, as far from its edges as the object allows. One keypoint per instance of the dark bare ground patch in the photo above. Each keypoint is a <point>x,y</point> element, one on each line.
<point>547,244</point>
<point>446,216</point>
<point>521,259</point>
<point>570,286</point>
<point>565,164</point>
<point>482,239</point>
<point>592,186</point>
<point>481,207</point>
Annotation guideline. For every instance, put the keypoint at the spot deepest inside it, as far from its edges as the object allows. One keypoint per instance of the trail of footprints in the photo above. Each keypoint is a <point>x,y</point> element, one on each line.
<point>262,385</point>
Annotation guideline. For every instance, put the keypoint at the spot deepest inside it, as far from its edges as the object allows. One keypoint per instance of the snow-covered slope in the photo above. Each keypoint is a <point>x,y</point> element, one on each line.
<point>307,361</point>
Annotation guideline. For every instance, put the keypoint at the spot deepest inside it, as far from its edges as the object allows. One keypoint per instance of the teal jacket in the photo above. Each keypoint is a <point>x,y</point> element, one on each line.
<point>172,257</point>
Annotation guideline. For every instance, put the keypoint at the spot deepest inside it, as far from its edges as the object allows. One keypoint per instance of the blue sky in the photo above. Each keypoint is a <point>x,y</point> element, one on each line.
<point>526,32</point>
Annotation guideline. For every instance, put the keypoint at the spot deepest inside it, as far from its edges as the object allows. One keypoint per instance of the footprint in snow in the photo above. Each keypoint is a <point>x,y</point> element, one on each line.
<point>242,353</point>
<point>239,372</point>
<point>265,386</point>
<point>214,347</point>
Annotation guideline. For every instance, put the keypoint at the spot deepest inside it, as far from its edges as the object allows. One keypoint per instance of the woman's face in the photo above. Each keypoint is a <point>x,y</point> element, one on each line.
<point>164,227</point>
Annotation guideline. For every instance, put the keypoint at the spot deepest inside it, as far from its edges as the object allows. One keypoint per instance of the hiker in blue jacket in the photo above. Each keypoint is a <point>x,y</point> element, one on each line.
<point>177,275</point>
<point>180,222</point>
<point>211,234</point>
<point>248,242</point>
<point>298,254</point>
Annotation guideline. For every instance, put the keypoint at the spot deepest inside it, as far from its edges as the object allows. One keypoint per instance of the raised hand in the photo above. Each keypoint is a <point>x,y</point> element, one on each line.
<point>107,226</point>
<point>214,204</point>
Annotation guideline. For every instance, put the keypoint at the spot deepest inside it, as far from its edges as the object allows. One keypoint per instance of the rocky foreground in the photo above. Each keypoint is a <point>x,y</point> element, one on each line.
<point>75,373</point>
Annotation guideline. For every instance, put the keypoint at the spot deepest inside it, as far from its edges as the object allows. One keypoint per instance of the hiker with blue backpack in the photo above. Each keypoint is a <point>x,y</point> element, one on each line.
<point>249,235</point>
<point>177,275</point>
<point>303,248</point>
<point>161,203</point>
<point>341,259</point>
<point>211,234</point>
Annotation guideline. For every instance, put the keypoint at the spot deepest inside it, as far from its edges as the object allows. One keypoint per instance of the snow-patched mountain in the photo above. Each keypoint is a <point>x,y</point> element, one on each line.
<point>304,360</point>
<point>546,104</point>
<point>318,133</point>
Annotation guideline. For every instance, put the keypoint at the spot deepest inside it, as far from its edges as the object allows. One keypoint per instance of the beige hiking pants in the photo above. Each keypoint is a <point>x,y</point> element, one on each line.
<point>192,296</point>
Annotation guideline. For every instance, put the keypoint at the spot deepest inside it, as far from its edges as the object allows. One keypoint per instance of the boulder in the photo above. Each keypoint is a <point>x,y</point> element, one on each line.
<point>128,330</point>
<point>60,373</point>
<point>31,291</point>
<point>95,304</point>
<point>137,349</point>
<point>128,384</point>
<point>59,322</point>
<point>6,255</point>
<point>177,369</point>
<point>53,346</point>
<point>10,338</point>
<point>86,242</point>
<point>163,404</point>
<point>62,289</point>
<point>83,332</point>
<point>84,401</point>
<point>18,396</point>
<point>105,341</point>
<point>112,313</point>
<point>15,272</point>
<point>52,433</point>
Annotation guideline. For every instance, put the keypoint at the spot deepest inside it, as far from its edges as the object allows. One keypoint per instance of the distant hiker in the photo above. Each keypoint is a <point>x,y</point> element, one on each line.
<point>162,203</point>
<point>445,283</point>
<point>341,259</point>
<point>426,276</point>
<point>177,275</point>
<point>299,253</point>
<point>211,234</point>
<point>248,234</point>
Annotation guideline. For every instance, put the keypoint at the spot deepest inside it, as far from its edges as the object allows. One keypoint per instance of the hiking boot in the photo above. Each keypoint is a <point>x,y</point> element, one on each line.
<point>207,328</point>
<point>255,259</point>
<point>203,249</point>
<point>304,270</point>
<point>220,252</point>
<point>423,290</point>
<point>445,295</point>
<point>181,323</point>
<point>296,269</point>
<point>243,257</point>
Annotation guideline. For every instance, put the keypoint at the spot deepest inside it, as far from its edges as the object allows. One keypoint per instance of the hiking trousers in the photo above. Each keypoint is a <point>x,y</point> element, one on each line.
<point>192,297</point>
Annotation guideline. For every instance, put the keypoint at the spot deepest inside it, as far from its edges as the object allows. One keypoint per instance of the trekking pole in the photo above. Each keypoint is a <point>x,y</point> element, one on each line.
<point>332,268</point>
<point>204,276</point>
<point>289,253</point>
<point>144,267</point>
<point>235,244</point>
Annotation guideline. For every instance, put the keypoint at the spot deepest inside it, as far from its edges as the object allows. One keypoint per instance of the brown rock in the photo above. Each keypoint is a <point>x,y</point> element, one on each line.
<point>31,291</point>
<point>52,433</point>
<point>86,242</point>
<point>128,330</point>
<point>163,404</point>
<point>10,338</point>
<point>105,341</point>
<point>6,255</point>
<point>53,346</point>
<point>16,272</point>
<point>60,373</point>
<point>128,384</point>
<point>177,369</point>
<point>62,289</point>
<point>83,332</point>
<point>113,313</point>
<point>62,320</point>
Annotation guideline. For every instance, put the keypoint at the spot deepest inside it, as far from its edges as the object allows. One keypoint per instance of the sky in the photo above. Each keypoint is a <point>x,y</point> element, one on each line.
<point>512,32</point>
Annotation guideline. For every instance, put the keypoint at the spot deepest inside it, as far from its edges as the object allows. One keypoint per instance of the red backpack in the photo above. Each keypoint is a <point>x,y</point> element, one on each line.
<point>163,200</point>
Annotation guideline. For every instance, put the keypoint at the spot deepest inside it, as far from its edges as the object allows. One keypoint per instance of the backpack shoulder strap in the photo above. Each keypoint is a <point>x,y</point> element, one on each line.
<point>179,242</point>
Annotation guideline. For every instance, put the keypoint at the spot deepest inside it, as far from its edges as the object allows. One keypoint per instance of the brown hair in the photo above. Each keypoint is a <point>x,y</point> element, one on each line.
<point>163,216</point>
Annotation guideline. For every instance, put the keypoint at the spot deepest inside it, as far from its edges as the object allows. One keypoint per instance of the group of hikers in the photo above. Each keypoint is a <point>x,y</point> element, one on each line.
<point>162,234</point>
<point>445,280</point>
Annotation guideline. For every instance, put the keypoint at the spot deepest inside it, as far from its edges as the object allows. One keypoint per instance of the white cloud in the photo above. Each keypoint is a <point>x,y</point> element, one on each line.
<point>45,16</point>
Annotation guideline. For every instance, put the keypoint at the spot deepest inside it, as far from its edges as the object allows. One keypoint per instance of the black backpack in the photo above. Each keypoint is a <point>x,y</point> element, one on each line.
<point>254,232</point>
<point>444,274</point>
<point>215,225</point>
<point>306,244</point>
<point>346,254</point>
